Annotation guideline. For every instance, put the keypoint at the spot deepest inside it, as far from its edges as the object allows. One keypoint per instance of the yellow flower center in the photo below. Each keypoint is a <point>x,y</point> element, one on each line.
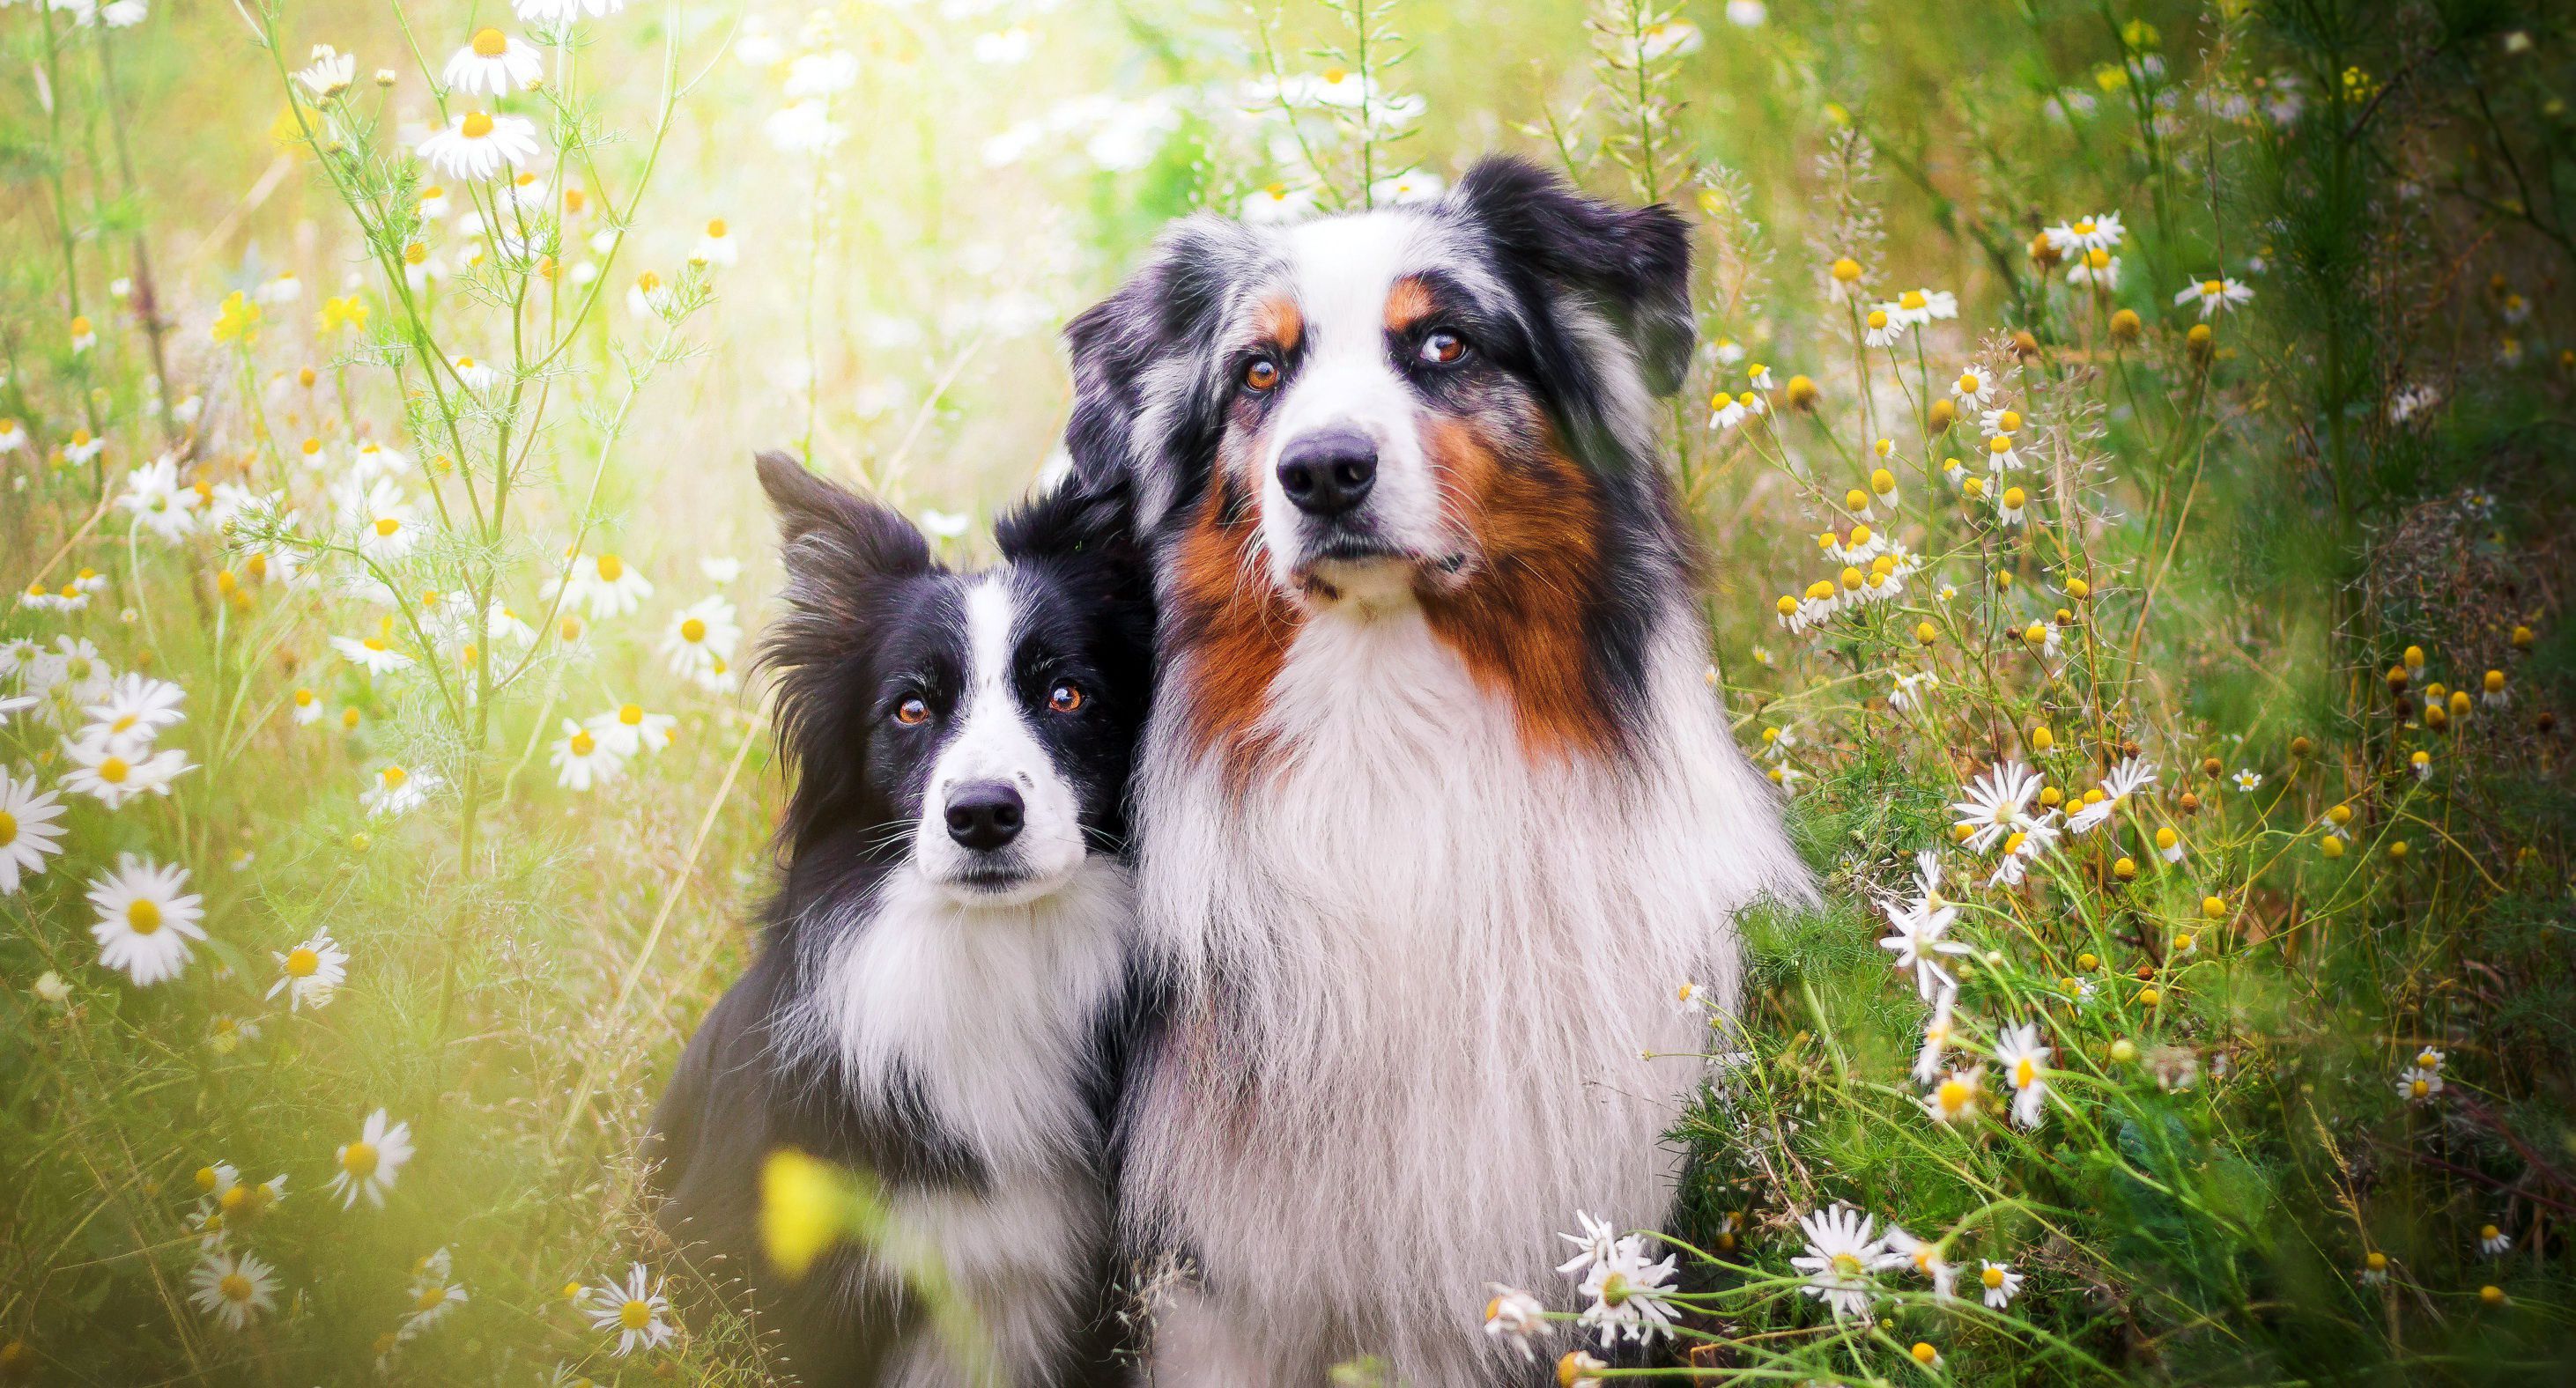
<point>1999,444</point>
<point>430,1296</point>
<point>1953,1095</point>
<point>393,776</point>
<point>1847,270</point>
<point>235,1287</point>
<point>387,525</point>
<point>2487,1231</point>
<point>1992,1277</point>
<point>2098,259</point>
<point>2419,1088</point>
<point>1968,384</point>
<point>2211,289</point>
<point>490,43</point>
<point>1845,1265</point>
<point>302,962</point>
<point>693,631</point>
<point>143,917</point>
<point>716,228</point>
<point>2014,497</point>
<point>2084,228</point>
<point>1911,299</point>
<point>582,743</point>
<point>1878,318</point>
<point>632,715</point>
<point>8,828</point>
<point>374,643</point>
<point>477,125</point>
<point>634,1315</point>
<point>611,568</point>
<point>233,1199</point>
<point>359,1160</point>
<point>2025,1073</point>
<point>113,770</point>
<point>2378,1262</point>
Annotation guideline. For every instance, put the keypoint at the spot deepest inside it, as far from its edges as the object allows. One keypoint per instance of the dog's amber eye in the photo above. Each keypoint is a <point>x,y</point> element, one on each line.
<point>1064,698</point>
<point>1443,348</point>
<point>911,711</point>
<point>1262,374</point>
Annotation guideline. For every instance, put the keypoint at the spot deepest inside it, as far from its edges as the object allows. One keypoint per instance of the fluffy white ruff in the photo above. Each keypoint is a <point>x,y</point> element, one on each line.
<point>1417,972</point>
<point>992,1011</point>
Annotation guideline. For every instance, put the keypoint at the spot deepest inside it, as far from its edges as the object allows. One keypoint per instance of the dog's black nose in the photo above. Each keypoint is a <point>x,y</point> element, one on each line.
<point>1328,473</point>
<point>984,815</point>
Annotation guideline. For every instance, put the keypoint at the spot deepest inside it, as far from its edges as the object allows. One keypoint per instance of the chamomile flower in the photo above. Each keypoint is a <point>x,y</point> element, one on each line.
<point>136,709</point>
<point>1998,803</point>
<point>2214,296</point>
<point>371,654</point>
<point>1515,1318</point>
<point>225,1033</point>
<point>2494,1242</point>
<point>232,1288</point>
<point>311,973</point>
<point>2002,1284</point>
<point>1579,1369</point>
<point>393,789</point>
<point>2248,780</point>
<point>113,776</point>
<point>83,446</point>
<point>384,523</point>
<point>1843,1253</point>
<point>2169,844</point>
<point>2374,1269</point>
<point>1693,997</point>
<point>496,63</point>
<point>2001,455</point>
<point>2100,269</point>
<point>602,585</point>
<point>720,569</point>
<point>2125,780</point>
<point>1915,929</point>
<point>701,635</point>
<point>2022,1057</point>
<point>478,146</point>
<point>2012,504</point>
<point>13,436</point>
<point>717,245</point>
<point>28,833</point>
<point>1936,1039</point>
<point>1630,1294</point>
<point>1277,205</point>
<point>370,1165</point>
<point>157,501</point>
<point>2100,232</point>
<point>1880,326</point>
<point>146,917</point>
<point>636,1310</point>
<point>1954,1099</point>
<point>581,759</point>
<point>627,729</point>
<point>1593,1246</point>
<point>435,1294</point>
<point>2419,1084</point>
<point>474,374</point>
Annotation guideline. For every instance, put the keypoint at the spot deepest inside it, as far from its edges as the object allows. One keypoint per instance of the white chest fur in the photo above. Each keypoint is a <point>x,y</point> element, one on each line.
<point>1418,970</point>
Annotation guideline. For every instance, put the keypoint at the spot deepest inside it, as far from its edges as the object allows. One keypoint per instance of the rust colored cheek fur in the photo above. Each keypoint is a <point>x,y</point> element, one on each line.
<point>1226,613</point>
<point>1518,620</point>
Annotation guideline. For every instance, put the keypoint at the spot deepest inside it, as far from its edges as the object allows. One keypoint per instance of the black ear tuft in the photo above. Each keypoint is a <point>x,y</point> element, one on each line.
<point>1633,262</point>
<point>841,550</point>
<point>1081,517</point>
<point>1142,378</point>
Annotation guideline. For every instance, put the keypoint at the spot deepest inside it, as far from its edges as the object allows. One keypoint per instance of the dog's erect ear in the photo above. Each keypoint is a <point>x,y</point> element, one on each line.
<point>1080,518</point>
<point>1632,263</point>
<point>1145,376</point>
<point>840,550</point>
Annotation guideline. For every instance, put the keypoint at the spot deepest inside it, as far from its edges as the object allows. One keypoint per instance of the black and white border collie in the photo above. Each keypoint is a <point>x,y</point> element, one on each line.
<point>1436,810</point>
<point>944,980</point>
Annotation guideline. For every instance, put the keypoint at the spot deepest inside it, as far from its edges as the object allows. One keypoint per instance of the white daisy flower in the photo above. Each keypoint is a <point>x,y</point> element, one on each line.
<point>2002,1284</point>
<point>371,654</point>
<point>495,63</point>
<point>1936,1039</point>
<point>1998,803</point>
<point>136,709</point>
<point>146,917</point>
<point>2248,780</point>
<point>2101,232</point>
<point>1405,189</point>
<point>370,1165</point>
<point>2125,780</point>
<point>2100,269</point>
<point>582,759</point>
<point>1842,1254</point>
<point>2494,1242</point>
<point>157,500</point>
<point>1591,1247</point>
<point>102,773</point>
<point>233,1288</point>
<point>1515,1318</point>
<point>2419,1085</point>
<point>1927,1259</point>
<point>13,436</point>
<point>627,729</point>
<point>636,1311</point>
<point>397,790</point>
<point>1881,327</point>
<point>83,446</point>
<point>1630,1295</point>
<point>2214,296</point>
<point>1277,205</point>
<point>2019,1053</point>
<point>1915,930</point>
<point>28,833</point>
<point>307,707</point>
<point>701,635</point>
<point>478,145</point>
<point>385,524</point>
<point>720,569</point>
<point>602,585</point>
<point>1954,1099</point>
<point>435,1294</point>
<point>311,973</point>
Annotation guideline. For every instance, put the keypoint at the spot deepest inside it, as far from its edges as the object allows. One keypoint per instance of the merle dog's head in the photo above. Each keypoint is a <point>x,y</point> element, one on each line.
<point>974,729</point>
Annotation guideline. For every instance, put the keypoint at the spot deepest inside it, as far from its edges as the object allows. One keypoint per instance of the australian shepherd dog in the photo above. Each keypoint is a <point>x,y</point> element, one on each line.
<point>1436,807</point>
<point>940,997</point>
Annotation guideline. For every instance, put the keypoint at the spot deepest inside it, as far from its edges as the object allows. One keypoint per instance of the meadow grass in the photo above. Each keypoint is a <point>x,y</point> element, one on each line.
<point>2302,1112</point>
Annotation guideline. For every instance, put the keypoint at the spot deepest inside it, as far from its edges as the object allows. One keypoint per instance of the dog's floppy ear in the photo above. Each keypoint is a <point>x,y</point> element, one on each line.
<point>1632,263</point>
<point>841,550</point>
<point>1146,385</point>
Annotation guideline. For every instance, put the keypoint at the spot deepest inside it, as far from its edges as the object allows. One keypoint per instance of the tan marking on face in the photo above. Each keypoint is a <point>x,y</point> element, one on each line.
<point>1408,302</point>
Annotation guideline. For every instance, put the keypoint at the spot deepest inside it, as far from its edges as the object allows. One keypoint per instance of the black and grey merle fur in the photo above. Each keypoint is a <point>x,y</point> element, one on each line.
<point>942,991</point>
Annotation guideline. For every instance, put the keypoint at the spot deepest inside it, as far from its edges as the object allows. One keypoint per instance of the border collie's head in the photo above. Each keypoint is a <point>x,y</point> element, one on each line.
<point>975,729</point>
<point>1446,405</point>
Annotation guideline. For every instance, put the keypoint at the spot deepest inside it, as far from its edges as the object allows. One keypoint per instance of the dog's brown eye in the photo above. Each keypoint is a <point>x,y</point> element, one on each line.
<point>1064,698</point>
<point>911,711</point>
<point>1262,374</point>
<point>1443,348</point>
